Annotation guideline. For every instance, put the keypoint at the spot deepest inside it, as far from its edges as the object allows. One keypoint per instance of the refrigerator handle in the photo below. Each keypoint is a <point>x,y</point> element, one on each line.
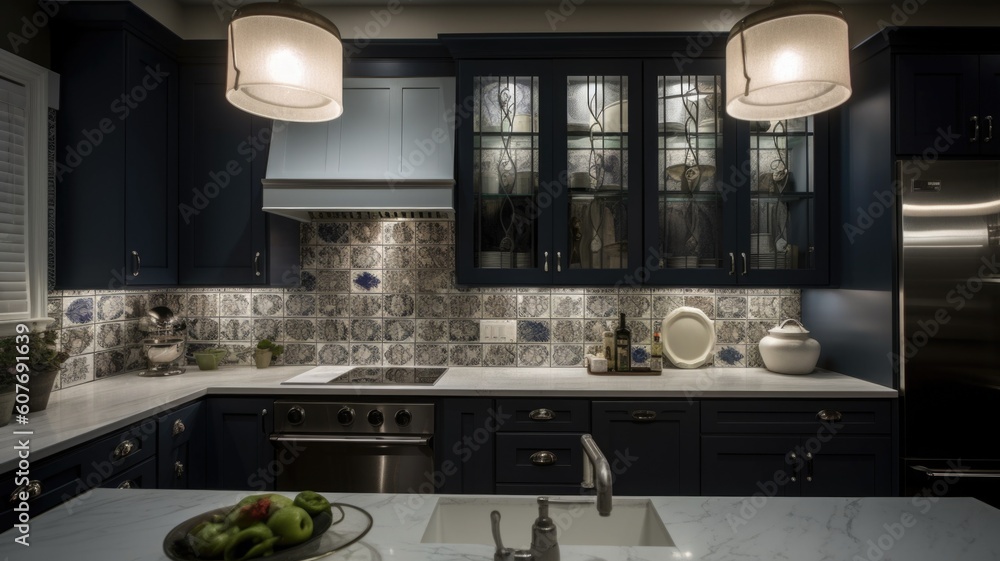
<point>971,473</point>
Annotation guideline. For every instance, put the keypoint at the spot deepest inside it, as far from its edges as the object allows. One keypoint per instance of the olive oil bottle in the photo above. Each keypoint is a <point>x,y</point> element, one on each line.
<point>623,346</point>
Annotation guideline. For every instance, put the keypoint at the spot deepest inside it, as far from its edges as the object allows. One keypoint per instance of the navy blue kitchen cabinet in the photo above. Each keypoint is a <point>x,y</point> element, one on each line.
<point>116,171</point>
<point>652,446</point>
<point>839,448</point>
<point>180,448</point>
<point>464,448</point>
<point>225,237</point>
<point>240,455</point>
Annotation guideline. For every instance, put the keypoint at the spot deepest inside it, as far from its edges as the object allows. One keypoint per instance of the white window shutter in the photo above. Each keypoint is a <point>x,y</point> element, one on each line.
<point>14,295</point>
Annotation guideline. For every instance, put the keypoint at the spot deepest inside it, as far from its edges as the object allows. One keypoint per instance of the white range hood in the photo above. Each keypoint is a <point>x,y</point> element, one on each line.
<point>391,153</point>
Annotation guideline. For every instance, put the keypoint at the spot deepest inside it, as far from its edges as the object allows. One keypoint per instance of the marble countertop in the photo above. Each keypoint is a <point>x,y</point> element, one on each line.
<point>78,414</point>
<point>129,525</point>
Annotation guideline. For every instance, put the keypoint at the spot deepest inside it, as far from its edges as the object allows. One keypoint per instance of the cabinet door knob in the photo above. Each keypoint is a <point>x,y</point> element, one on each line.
<point>256,264</point>
<point>644,415</point>
<point>989,128</point>
<point>136,263</point>
<point>543,458</point>
<point>975,129</point>
<point>545,266</point>
<point>128,484</point>
<point>179,469</point>
<point>829,415</point>
<point>179,427</point>
<point>542,415</point>
<point>124,449</point>
<point>33,488</point>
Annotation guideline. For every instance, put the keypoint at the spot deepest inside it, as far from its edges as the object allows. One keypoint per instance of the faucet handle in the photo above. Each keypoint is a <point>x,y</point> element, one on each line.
<point>502,553</point>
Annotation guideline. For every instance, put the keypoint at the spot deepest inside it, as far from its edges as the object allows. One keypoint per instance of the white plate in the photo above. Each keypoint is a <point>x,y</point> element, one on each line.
<point>688,337</point>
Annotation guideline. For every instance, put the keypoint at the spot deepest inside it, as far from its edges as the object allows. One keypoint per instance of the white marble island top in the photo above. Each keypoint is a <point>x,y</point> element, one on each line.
<point>84,412</point>
<point>129,525</point>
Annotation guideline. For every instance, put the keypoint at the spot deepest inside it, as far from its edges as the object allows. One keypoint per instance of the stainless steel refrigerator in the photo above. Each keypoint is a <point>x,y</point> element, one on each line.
<point>950,328</point>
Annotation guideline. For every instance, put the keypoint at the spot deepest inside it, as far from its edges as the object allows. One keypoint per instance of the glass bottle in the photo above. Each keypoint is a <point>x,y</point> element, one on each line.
<point>608,347</point>
<point>656,351</point>
<point>623,346</point>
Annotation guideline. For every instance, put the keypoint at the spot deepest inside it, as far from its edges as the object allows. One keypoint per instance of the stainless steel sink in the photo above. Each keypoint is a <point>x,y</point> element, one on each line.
<point>633,522</point>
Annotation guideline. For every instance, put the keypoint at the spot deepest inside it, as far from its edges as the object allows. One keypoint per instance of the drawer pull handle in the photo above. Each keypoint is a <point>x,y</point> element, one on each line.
<point>644,415</point>
<point>136,263</point>
<point>179,427</point>
<point>829,415</point>
<point>124,449</point>
<point>128,484</point>
<point>542,415</point>
<point>179,469</point>
<point>543,458</point>
<point>33,488</point>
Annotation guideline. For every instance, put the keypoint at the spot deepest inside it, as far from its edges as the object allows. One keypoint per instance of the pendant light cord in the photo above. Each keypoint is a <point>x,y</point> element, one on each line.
<point>743,48</point>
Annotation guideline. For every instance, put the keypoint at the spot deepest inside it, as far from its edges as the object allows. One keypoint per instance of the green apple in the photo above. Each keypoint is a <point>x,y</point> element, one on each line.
<point>292,524</point>
<point>278,502</point>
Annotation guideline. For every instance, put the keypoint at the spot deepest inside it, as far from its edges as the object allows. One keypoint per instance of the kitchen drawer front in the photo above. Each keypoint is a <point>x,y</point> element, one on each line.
<point>520,458</point>
<point>180,426</point>
<point>141,476</point>
<point>545,415</point>
<point>796,416</point>
<point>113,454</point>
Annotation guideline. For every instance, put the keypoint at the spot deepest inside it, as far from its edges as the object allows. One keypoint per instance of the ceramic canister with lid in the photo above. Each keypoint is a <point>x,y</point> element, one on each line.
<point>788,349</point>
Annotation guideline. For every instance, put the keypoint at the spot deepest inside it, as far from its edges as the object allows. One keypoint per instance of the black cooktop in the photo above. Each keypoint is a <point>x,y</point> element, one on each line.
<point>390,375</point>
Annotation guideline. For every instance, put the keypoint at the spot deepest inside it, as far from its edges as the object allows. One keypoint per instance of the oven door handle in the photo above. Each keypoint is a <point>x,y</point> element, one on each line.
<point>387,440</point>
<point>971,473</point>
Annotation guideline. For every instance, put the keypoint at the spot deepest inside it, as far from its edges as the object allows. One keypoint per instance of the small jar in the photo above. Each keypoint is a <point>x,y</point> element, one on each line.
<point>789,350</point>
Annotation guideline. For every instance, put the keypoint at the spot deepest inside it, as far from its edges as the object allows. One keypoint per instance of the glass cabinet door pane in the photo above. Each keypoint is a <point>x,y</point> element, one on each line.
<point>689,148</point>
<point>505,171</point>
<point>782,201</point>
<point>597,142</point>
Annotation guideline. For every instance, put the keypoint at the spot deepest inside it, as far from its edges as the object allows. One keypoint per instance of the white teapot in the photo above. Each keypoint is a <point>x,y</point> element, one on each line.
<point>789,350</point>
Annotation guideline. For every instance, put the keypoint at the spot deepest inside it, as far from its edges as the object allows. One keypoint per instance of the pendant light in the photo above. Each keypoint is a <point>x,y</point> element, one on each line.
<point>788,60</point>
<point>285,62</point>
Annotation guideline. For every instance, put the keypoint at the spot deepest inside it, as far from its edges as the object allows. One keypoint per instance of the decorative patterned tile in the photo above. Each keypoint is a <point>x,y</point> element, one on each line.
<point>466,355</point>
<point>77,370</point>
<point>593,329</point>
<point>299,330</point>
<point>463,330</point>
<point>532,355</point>
<point>533,305</point>
<point>399,281</point>
<point>730,356</point>
<point>267,305</point>
<point>764,307</point>
<point>238,353</point>
<point>234,329</point>
<point>366,257</point>
<point>399,354</point>
<point>132,334</point>
<point>431,306</point>
<point>334,354</point>
<point>567,306</point>
<point>435,232</point>
<point>202,305</point>
<point>465,306</point>
<point>640,356</point>
<point>366,232</point>
<point>434,280</point>
<point>234,304</point>
<point>567,330</point>
<point>532,331</point>
<point>300,305</point>
<point>642,333</point>
<point>109,363</point>
<point>366,281</point>
<point>499,306</point>
<point>266,329</point>
<point>399,330</point>
<point>202,329</point>
<point>504,354</point>
<point>365,354</point>
<point>110,307</point>
<point>399,305</point>
<point>664,304</point>
<point>333,305</point>
<point>703,303</point>
<point>333,281</point>
<point>567,355</point>
<point>53,309</point>
<point>299,353</point>
<point>333,330</point>
<point>399,256</point>
<point>333,257</point>
<point>307,234</point>
<point>635,305</point>
<point>731,307</point>
<point>730,332</point>
<point>402,232</point>
<point>134,359</point>
<point>432,330</point>
<point>77,340</point>
<point>753,357</point>
<point>366,305</point>
<point>367,330</point>
<point>757,330</point>
<point>78,311</point>
<point>791,307</point>
<point>435,256</point>
<point>602,306</point>
<point>431,355</point>
<point>333,233</point>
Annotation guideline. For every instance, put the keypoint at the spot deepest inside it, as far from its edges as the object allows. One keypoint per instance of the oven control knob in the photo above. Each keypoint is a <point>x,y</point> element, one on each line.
<point>375,417</point>
<point>345,416</point>
<point>296,415</point>
<point>403,417</point>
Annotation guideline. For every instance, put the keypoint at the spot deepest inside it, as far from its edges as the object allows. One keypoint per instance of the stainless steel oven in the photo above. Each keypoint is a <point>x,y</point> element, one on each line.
<point>353,446</point>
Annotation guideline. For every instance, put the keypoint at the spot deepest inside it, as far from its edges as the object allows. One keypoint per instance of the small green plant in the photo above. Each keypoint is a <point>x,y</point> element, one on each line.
<point>42,353</point>
<point>267,345</point>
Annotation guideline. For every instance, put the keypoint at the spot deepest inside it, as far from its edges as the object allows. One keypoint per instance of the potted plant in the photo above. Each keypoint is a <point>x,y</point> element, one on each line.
<point>265,351</point>
<point>44,362</point>
<point>7,396</point>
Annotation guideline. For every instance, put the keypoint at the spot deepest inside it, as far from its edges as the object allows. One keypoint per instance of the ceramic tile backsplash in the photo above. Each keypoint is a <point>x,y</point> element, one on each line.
<point>383,292</point>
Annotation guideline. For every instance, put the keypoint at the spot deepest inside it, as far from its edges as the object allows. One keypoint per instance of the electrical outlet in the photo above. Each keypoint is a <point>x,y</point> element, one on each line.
<point>498,331</point>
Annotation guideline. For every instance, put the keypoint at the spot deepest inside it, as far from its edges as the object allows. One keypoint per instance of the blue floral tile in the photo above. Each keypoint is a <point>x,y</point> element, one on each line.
<point>234,304</point>
<point>202,305</point>
<point>333,305</point>
<point>267,329</point>
<point>432,330</point>
<point>366,281</point>
<point>78,310</point>
<point>299,353</point>
<point>431,306</point>
<point>703,303</point>
<point>109,363</point>
<point>110,307</point>
<point>399,281</point>
<point>399,305</point>
<point>333,281</point>
<point>399,256</point>
<point>299,330</point>
<point>435,232</point>
<point>366,257</point>
<point>465,306</point>
<point>368,330</point>
<point>567,306</point>
<point>499,306</point>
<point>466,355</point>
<point>533,331</point>
<point>635,306</point>
<point>203,329</point>
<point>731,307</point>
<point>567,330</point>
<point>730,356</point>
<point>532,356</point>
<point>463,330</point>
<point>435,256</point>
<point>267,305</point>
<point>504,354</point>
<point>601,306</point>
<point>402,232</point>
<point>300,305</point>
<point>334,354</point>
<point>399,330</point>
<point>365,354</point>
<point>333,330</point>
<point>234,329</point>
<point>730,331</point>
<point>366,232</point>
<point>77,340</point>
<point>334,232</point>
<point>77,370</point>
<point>567,355</point>
<point>430,354</point>
<point>399,354</point>
<point>640,356</point>
<point>333,257</point>
<point>366,305</point>
<point>533,305</point>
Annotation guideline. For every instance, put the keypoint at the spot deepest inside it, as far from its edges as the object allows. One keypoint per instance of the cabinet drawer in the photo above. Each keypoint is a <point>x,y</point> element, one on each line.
<point>544,415</point>
<point>796,417</point>
<point>141,476</point>
<point>113,454</point>
<point>521,457</point>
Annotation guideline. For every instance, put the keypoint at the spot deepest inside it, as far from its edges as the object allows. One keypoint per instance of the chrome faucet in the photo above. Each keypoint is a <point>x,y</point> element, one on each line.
<point>544,538</point>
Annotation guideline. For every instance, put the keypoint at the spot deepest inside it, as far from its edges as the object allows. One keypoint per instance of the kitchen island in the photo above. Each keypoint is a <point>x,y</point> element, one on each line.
<point>130,526</point>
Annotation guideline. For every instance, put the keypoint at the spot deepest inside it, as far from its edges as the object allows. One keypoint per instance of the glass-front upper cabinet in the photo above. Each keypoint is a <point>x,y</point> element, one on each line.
<point>504,236</point>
